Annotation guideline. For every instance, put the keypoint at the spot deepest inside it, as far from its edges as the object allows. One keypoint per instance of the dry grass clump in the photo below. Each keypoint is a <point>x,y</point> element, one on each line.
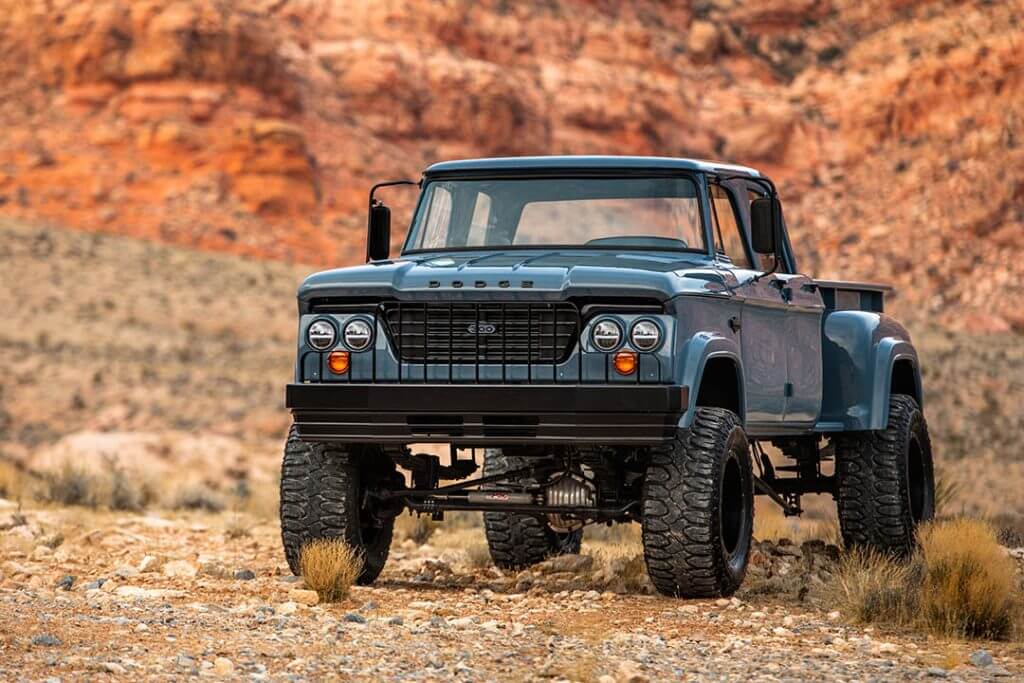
<point>771,525</point>
<point>959,583</point>
<point>968,584</point>
<point>197,496</point>
<point>874,588</point>
<point>69,485</point>
<point>417,529</point>
<point>1009,529</point>
<point>478,555</point>
<point>111,488</point>
<point>330,567</point>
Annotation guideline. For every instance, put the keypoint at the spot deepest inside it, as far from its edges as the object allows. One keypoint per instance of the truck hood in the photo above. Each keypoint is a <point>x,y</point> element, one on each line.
<point>545,273</point>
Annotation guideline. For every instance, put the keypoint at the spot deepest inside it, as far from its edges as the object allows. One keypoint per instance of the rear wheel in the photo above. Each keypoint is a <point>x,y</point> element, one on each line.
<point>698,508</point>
<point>886,481</point>
<point>323,496</point>
<point>517,540</point>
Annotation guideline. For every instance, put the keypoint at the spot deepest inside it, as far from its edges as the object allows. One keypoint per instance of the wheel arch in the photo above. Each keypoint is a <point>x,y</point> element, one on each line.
<point>715,378</point>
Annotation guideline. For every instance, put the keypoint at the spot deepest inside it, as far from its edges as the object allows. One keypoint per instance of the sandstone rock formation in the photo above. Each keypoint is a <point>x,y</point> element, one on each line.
<point>256,127</point>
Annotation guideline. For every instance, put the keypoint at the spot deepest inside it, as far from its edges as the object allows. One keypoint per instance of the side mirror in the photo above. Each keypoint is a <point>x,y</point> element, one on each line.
<point>378,232</point>
<point>765,219</point>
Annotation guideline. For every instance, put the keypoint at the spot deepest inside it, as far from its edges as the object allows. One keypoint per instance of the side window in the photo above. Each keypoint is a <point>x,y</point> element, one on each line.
<point>728,238</point>
<point>766,262</point>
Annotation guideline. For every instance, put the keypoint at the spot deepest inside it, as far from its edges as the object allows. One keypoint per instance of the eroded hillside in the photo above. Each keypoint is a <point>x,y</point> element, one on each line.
<point>256,127</point>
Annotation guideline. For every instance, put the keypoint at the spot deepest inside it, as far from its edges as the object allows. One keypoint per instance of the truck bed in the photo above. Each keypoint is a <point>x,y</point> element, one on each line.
<point>840,295</point>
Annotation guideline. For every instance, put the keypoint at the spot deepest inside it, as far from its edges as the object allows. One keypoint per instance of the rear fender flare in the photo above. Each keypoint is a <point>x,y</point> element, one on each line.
<point>860,352</point>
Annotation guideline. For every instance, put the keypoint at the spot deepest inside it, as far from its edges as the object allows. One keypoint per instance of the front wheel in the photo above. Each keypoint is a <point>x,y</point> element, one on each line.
<point>322,496</point>
<point>698,508</point>
<point>886,485</point>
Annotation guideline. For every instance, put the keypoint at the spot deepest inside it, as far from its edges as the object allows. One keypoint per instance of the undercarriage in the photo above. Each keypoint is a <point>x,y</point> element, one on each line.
<point>572,487</point>
<point>693,493</point>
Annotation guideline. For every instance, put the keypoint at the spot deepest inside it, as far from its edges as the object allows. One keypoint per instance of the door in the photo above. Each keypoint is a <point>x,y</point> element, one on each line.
<point>762,332</point>
<point>803,312</point>
<point>803,349</point>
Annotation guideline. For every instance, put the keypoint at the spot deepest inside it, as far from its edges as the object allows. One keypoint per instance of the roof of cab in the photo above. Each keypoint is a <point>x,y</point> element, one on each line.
<point>549,163</point>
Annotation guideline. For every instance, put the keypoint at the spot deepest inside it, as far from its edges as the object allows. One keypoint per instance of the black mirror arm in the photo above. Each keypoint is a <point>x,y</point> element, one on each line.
<point>389,183</point>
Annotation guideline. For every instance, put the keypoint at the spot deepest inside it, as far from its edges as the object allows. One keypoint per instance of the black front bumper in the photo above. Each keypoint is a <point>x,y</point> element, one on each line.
<point>486,414</point>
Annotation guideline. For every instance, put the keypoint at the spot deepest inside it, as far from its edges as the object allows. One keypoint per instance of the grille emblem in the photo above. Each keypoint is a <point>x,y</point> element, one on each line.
<point>481,328</point>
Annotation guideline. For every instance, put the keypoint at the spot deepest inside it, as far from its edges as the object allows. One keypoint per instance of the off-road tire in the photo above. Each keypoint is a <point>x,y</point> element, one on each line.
<point>886,482</point>
<point>321,497</point>
<point>698,508</point>
<point>517,540</point>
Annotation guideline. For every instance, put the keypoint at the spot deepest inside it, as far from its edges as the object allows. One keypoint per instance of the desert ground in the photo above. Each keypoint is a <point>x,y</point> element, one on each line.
<point>168,595</point>
<point>142,429</point>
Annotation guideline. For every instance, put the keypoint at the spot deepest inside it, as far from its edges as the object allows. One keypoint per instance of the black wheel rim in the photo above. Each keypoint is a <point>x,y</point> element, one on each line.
<point>917,481</point>
<point>735,511</point>
<point>732,506</point>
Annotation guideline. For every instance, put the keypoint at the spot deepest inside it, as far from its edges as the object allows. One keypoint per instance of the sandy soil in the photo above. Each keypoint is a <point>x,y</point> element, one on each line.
<point>176,601</point>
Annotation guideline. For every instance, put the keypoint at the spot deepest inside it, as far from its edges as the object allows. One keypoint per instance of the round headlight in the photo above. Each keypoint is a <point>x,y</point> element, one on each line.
<point>606,335</point>
<point>645,335</point>
<point>357,334</point>
<point>320,335</point>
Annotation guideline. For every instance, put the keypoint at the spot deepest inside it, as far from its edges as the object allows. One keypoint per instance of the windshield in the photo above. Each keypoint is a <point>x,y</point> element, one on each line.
<point>658,213</point>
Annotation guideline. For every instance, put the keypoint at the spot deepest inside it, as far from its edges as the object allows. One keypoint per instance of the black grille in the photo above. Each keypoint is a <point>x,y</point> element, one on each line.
<point>483,332</point>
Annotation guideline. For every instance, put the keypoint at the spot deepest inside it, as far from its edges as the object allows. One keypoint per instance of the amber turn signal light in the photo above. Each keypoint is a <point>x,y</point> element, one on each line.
<point>338,362</point>
<point>625,362</point>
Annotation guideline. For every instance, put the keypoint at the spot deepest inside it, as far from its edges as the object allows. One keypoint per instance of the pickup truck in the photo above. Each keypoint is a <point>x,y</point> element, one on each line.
<point>609,340</point>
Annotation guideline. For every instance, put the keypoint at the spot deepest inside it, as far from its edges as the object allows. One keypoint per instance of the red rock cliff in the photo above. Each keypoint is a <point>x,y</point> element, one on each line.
<point>895,127</point>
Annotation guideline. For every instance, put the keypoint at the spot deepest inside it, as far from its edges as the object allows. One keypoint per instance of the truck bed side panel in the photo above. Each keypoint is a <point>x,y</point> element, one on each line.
<point>859,352</point>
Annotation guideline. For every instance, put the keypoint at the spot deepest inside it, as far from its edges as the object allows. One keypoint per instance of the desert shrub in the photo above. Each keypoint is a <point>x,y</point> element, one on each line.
<point>68,485</point>
<point>478,555</point>
<point>1009,529</point>
<point>112,487</point>
<point>417,529</point>
<point>119,491</point>
<point>873,588</point>
<point>968,584</point>
<point>959,582</point>
<point>197,496</point>
<point>330,567</point>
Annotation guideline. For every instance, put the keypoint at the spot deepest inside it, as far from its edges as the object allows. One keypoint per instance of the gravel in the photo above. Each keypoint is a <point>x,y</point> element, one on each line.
<point>464,623</point>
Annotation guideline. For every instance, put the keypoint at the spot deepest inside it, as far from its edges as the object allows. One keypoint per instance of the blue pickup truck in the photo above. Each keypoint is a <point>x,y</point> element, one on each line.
<point>612,340</point>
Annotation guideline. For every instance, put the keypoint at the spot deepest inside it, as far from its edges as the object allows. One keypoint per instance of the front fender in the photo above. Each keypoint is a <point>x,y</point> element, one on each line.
<point>860,350</point>
<point>695,354</point>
